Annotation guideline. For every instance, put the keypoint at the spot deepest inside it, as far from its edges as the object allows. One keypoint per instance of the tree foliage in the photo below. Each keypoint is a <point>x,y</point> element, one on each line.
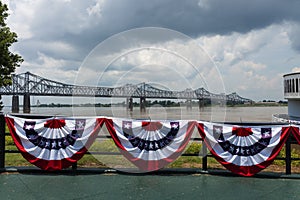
<point>8,60</point>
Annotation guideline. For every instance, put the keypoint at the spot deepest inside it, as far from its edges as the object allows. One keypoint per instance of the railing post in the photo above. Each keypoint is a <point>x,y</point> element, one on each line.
<point>288,160</point>
<point>74,166</point>
<point>204,156</point>
<point>288,155</point>
<point>2,141</point>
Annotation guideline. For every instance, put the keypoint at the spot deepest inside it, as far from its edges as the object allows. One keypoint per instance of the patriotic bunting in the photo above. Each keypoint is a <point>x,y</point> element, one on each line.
<point>243,150</point>
<point>56,143</point>
<point>53,143</point>
<point>150,145</point>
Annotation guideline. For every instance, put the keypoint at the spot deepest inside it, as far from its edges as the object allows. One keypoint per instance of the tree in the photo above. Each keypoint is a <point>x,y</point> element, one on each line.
<point>8,60</point>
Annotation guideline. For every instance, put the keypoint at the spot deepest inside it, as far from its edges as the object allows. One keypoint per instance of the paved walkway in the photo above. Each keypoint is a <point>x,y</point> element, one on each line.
<point>122,186</point>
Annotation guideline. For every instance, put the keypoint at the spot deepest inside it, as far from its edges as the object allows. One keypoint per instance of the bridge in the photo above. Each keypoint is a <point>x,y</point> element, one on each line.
<point>28,84</point>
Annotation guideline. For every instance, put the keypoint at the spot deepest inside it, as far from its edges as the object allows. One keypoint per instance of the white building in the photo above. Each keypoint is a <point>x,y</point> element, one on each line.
<point>292,94</point>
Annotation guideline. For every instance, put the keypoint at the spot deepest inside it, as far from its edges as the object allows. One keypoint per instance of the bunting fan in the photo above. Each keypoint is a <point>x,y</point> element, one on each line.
<point>53,143</point>
<point>150,145</point>
<point>243,150</point>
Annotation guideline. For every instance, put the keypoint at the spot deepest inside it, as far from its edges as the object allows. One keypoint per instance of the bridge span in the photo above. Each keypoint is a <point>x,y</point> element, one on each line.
<point>28,84</point>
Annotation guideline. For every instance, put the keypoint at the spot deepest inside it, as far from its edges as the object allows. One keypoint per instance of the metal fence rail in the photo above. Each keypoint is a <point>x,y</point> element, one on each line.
<point>287,158</point>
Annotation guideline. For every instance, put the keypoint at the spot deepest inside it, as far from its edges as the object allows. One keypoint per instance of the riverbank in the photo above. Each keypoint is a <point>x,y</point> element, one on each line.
<point>166,103</point>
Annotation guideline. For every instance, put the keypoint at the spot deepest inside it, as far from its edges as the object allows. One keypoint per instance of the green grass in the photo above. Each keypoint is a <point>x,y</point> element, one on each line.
<point>104,146</point>
<point>295,153</point>
<point>16,159</point>
<point>96,160</point>
<point>90,161</point>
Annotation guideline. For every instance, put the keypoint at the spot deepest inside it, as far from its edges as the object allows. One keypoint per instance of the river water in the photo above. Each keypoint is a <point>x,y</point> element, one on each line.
<point>229,114</point>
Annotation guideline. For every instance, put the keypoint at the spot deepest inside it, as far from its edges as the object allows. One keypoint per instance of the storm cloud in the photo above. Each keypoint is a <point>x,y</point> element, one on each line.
<point>241,36</point>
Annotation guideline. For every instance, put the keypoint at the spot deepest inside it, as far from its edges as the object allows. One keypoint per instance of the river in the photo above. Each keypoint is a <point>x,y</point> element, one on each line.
<point>229,114</point>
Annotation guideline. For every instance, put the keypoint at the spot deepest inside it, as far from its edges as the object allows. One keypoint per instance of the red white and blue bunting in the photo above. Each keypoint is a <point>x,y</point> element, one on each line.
<point>243,150</point>
<point>150,145</point>
<point>56,143</point>
<point>53,143</point>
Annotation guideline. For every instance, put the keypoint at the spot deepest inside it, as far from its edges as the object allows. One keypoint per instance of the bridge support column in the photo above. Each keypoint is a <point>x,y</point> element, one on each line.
<point>142,104</point>
<point>201,104</point>
<point>189,104</point>
<point>26,103</point>
<point>15,104</point>
<point>129,104</point>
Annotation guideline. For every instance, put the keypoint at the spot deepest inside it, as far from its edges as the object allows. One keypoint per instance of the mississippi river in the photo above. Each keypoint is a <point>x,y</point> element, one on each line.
<point>229,114</point>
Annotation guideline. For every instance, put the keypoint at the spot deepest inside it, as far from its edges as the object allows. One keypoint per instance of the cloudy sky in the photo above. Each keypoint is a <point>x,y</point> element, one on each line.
<point>241,46</point>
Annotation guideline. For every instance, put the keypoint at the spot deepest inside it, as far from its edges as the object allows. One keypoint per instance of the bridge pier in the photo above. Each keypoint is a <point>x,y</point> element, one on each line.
<point>15,104</point>
<point>201,104</point>
<point>26,103</point>
<point>129,104</point>
<point>142,104</point>
<point>189,104</point>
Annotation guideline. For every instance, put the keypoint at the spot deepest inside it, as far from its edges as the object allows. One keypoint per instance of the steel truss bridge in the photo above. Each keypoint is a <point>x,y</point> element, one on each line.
<point>29,84</point>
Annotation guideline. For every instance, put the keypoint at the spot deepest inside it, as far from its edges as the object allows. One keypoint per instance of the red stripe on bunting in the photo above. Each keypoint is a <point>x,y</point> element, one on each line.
<point>52,165</point>
<point>55,123</point>
<point>110,127</point>
<point>241,131</point>
<point>151,126</point>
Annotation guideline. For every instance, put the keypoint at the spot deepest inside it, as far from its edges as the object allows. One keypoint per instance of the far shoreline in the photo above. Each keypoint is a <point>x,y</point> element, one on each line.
<point>58,105</point>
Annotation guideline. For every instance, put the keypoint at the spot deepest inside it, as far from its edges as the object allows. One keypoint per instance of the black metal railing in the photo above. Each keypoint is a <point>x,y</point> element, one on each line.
<point>204,155</point>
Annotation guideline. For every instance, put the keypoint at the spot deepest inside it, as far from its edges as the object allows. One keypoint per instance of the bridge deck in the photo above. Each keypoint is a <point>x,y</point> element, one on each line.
<point>31,84</point>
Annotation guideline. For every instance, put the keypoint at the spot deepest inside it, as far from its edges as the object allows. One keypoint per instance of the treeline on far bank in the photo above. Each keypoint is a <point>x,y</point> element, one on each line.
<point>168,103</point>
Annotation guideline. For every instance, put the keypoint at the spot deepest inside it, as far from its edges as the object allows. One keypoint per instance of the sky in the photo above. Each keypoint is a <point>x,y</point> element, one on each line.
<point>225,46</point>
